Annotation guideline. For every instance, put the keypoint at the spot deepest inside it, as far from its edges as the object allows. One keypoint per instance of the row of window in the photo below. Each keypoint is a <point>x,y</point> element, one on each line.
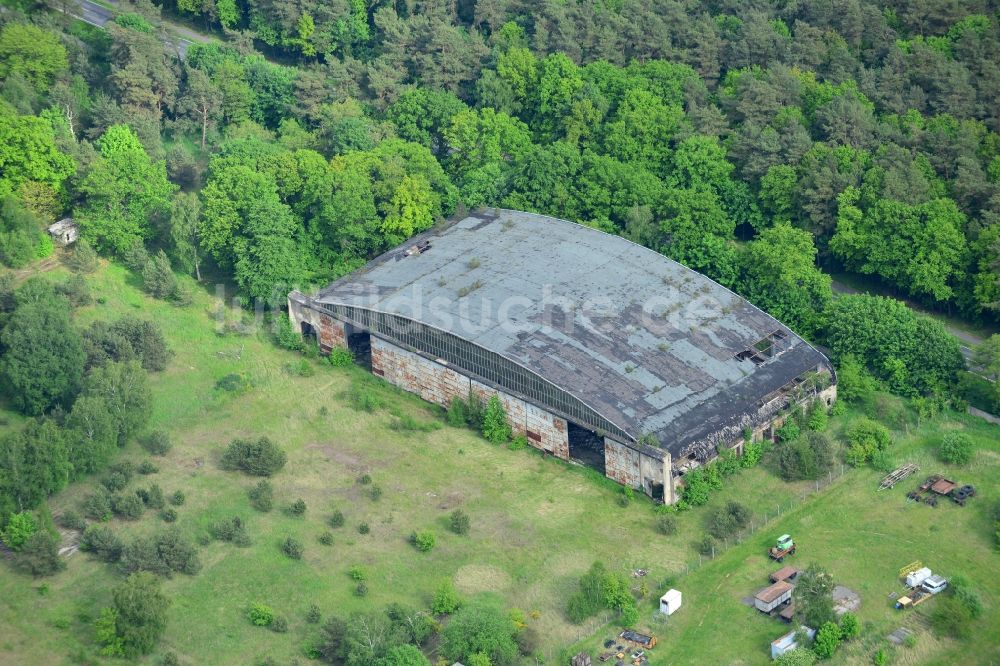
<point>479,361</point>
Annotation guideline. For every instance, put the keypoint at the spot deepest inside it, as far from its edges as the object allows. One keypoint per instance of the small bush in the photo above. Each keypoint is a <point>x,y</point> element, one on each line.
<point>326,538</point>
<point>956,448</point>
<point>519,443</point>
<point>336,519</point>
<point>279,625</point>
<point>260,457</point>
<point>129,506</point>
<point>361,590</point>
<point>365,479</point>
<point>297,508</point>
<point>235,383</point>
<point>285,335</point>
<point>339,357</point>
<point>97,506</point>
<point>147,467</point>
<point>232,530</point>
<point>177,498</point>
<point>262,496</point>
<point>707,545</point>
<point>423,540</point>
<point>375,492</point>
<point>39,556</point>
<point>71,520</point>
<point>446,600</point>
<point>666,524</point>
<point>364,399</point>
<point>292,548</point>
<point>102,542</point>
<point>457,413</point>
<point>459,522</point>
<point>313,615</point>
<point>301,368</point>
<point>116,481</point>
<point>169,515</point>
<point>260,615</point>
<point>157,443</point>
<point>153,497</point>
<point>363,528</point>
<point>357,573</point>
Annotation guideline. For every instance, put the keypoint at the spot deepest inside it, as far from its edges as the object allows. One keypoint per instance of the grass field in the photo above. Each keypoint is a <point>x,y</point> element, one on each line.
<point>537,524</point>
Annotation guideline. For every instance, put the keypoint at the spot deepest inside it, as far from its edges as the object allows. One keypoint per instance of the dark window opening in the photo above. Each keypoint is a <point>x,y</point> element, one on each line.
<point>308,331</point>
<point>657,492</point>
<point>586,447</point>
<point>359,342</point>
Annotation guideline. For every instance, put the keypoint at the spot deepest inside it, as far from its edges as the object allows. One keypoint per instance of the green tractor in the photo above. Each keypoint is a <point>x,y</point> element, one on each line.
<point>785,546</point>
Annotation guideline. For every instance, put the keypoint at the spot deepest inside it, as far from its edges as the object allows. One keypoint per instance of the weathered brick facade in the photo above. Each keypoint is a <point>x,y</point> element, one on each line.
<point>439,384</point>
<point>431,381</point>
<point>330,332</point>
<point>635,469</point>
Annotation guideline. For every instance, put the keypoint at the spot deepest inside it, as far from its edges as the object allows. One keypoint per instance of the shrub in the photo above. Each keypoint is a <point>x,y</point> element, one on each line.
<point>363,528</point>
<point>495,427</point>
<point>177,498</point>
<point>298,507</point>
<point>147,467</point>
<point>800,656</point>
<point>262,496</point>
<point>424,540</point>
<point>356,573</point>
<point>446,599</point>
<point>967,595</point>
<point>519,443</point>
<point>864,438</point>
<point>39,555</point>
<point>459,522</point>
<point>313,615</point>
<point>339,357</point>
<point>97,506</point>
<point>102,542</point>
<point>361,590</point>
<point>365,479</point>
<point>336,519</point>
<point>457,413</point>
<point>83,259</point>
<point>827,640</point>
<point>285,335</point>
<point>168,515</point>
<point>789,432</point>
<point>666,524</point>
<point>161,554</point>
<point>154,497</point>
<point>375,492</point>
<point>157,276</point>
<point>71,520</point>
<point>818,418</point>
<point>364,399</point>
<point>157,443</point>
<point>232,530</point>
<point>706,546</point>
<point>301,368</point>
<point>235,383</point>
<point>258,458</point>
<point>752,453</point>
<point>19,529</point>
<point>260,615</point>
<point>129,506</point>
<point>279,625</point>
<point>326,538</point>
<point>956,448</point>
<point>850,627</point>
<point>292,548</point>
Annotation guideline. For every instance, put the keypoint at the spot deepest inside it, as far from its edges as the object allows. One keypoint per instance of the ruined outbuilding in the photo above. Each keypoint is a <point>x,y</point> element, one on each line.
<point>602,351</point>
<point>65,231</point>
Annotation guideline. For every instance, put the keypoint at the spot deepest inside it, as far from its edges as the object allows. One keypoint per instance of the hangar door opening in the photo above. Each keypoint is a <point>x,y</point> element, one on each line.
<point>359,342</point>
<point>586,447</point>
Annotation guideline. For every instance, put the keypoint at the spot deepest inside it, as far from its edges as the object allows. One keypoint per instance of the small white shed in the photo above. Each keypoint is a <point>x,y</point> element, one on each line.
<point>670,602</point>
<point>917,577</point>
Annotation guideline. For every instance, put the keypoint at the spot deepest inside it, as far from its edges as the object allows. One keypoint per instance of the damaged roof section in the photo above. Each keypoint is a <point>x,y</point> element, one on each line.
<point>646,342</point>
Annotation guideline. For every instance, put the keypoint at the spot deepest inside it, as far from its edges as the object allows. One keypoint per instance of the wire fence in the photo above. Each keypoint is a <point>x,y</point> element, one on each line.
<point>760,520</point>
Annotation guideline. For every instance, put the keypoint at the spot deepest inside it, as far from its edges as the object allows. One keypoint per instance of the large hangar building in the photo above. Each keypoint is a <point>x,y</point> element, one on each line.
<point>602,351</point>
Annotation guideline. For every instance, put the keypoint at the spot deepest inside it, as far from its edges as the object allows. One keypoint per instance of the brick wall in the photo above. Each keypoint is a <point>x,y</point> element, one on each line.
<point>546,431</point>
<point>411,372</point>
<point>632,468</point>
<point>329,331</point>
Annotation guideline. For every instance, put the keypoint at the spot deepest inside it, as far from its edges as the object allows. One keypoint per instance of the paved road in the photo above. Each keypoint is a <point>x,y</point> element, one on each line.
<point>178,36</point>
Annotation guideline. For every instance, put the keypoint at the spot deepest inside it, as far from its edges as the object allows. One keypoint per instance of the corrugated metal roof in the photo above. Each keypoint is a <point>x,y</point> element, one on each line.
<point>647,342</point>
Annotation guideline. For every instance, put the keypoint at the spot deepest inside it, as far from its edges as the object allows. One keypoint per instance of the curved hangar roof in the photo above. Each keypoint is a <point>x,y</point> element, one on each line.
<point>652,346</point>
